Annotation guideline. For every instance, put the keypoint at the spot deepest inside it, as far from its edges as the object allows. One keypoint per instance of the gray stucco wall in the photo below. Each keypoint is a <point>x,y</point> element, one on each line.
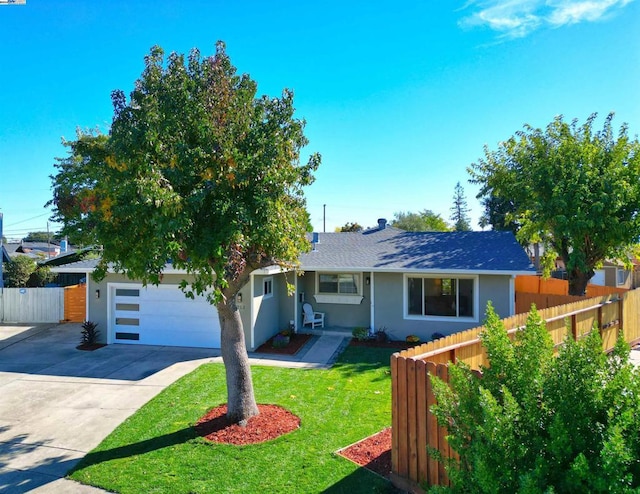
<point>336,315</point>
<point>267,310</point>
<point>389,308</point>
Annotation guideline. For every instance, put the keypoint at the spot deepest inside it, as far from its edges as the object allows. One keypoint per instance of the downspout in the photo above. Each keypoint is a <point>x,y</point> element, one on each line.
<point>86,302</point>
<point>251,309</point>
<point>295,301</point>
<point>512,295</point>
<point>372,296</point>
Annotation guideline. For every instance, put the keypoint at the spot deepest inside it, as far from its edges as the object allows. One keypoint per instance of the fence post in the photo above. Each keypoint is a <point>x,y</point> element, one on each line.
<point>600,321</point>
<point>574,327</point>
<point>620,313</point>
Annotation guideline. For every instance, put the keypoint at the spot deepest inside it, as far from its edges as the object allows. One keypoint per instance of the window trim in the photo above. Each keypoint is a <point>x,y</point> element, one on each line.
<point>625,276</point>
<point>415,317</point>
<point>267,281</point>
<point>338,294</point>
<point>339,298</point>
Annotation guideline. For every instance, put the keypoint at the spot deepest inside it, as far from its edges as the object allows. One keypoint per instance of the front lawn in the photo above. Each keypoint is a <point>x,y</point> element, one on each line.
<point>157,450</point>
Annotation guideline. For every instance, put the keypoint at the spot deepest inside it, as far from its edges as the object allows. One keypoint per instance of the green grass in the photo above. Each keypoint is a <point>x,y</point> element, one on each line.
<point>157,451</point>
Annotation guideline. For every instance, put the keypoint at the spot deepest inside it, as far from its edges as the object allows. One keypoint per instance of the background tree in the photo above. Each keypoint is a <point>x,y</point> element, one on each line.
<point>350,227</point>
<point>38,237</point>
<point>574,190</point>
<point>41,277</point>
<point>18,271</point>
<point>460,210</point>
<point>425,221</point>
<point>199,170</point>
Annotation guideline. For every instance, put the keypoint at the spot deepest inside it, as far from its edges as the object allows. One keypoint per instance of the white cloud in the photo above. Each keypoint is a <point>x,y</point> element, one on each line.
<point>517,18</point>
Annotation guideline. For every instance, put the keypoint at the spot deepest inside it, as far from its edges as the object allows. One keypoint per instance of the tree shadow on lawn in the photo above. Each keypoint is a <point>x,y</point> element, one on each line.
<point>178,437</point>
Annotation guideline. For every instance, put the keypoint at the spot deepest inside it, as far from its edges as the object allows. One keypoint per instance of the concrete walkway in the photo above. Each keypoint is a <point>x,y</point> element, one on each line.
<point>58,403</point>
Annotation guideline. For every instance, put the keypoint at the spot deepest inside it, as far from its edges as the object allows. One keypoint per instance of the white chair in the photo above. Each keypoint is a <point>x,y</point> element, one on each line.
<point>311,317</point>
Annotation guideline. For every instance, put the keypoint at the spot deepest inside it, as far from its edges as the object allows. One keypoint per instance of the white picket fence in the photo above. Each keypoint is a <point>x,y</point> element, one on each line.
<point>31,305</point>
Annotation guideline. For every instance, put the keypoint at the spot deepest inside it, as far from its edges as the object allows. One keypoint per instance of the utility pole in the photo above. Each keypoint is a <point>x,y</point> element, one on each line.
<point>324,218</point>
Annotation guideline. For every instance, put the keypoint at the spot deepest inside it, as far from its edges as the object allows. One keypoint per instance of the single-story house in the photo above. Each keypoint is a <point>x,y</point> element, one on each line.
<point>404,282</point>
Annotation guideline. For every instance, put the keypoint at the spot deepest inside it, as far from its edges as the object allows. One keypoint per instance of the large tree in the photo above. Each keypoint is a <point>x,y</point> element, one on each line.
<point>575,190</point>
<point>424,221</point>
<point>198,170</point>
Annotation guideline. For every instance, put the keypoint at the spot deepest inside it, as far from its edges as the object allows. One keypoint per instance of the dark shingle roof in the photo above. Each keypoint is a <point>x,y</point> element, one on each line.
<point>391,249</point>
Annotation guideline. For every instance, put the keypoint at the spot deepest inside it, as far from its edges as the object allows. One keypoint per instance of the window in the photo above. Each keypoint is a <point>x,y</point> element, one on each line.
<point>127,292</point>
<point>440,297</point>
<point>338,283</point>
<point>622,276</point>
<point>267,287</point>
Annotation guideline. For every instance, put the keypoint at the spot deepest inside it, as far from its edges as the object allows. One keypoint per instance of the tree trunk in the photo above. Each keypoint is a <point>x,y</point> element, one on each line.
<point>241,402</point>
<point>578,281</point>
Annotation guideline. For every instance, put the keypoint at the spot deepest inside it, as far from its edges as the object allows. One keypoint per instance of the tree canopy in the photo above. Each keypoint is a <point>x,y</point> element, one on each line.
<point>197,170</point>
<point>424,221</point>
<point>23,271</point>
<point>575,190</point>
<point>350,227</point>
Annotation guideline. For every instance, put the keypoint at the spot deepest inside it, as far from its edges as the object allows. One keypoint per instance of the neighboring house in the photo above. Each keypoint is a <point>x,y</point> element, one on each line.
<point>37,250</point>
<point>613,274</point>
<point>406,282</point>
<point>69,279</point>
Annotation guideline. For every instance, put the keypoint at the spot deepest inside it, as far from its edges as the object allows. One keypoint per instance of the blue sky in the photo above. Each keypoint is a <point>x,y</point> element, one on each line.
<point>399,98</point>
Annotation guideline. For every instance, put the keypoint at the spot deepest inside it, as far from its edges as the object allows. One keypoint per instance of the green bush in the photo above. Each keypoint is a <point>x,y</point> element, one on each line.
<point>538,423</point>
<point>360,334</point>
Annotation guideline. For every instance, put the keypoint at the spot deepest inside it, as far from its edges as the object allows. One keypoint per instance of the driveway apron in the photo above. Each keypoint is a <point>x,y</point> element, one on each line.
<point>57,403</point>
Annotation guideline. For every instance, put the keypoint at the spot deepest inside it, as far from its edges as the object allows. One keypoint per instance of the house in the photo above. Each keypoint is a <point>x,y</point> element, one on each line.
<point>406,282</point>
<point>614,274</point>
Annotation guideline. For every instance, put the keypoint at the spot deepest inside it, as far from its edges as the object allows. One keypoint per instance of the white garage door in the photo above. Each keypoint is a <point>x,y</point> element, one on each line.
<point>161,315</point>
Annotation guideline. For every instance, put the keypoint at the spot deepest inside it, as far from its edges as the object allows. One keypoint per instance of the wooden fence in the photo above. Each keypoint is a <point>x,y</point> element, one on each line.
<point>75,303</point>
<point>552,286</point>
<point>43,305</point>
<point>31,305</point>
<point>414,427</point>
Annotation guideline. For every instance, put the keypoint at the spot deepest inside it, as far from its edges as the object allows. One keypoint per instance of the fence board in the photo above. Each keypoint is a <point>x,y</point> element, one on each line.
<point>75,303</point>
<point>32,305</point>
<point>433,478</point>
<point>421,419</point>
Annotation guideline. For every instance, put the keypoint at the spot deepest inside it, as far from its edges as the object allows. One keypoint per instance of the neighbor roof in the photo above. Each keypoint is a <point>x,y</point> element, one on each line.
<point>391,249</point>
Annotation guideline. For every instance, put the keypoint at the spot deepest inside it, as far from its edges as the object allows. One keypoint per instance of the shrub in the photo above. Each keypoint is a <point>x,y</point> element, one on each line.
<point>280,341</point>
<point>412,338</point>
<point>360,334</point>
<point>381,335</point>
<point>538,423</point>
<point>89,333</point>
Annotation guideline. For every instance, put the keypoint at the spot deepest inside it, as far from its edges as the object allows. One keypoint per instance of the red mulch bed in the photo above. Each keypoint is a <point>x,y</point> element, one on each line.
<point>272,422</point>
<point>297,341</point>
<point>373,453</point>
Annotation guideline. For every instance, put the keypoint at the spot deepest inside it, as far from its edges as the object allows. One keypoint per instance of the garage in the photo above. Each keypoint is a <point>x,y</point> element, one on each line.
<point>160,315</point>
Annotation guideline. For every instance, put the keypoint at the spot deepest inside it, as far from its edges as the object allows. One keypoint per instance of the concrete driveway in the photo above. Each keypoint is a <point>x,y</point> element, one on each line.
<point>57,403</point>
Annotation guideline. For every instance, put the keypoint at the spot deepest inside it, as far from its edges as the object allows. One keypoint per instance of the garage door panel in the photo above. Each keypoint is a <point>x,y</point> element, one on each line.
<point>162,316</point>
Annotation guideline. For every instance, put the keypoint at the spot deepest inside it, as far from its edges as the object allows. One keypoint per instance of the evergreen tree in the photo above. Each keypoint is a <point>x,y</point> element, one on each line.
<point>460,210</point>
